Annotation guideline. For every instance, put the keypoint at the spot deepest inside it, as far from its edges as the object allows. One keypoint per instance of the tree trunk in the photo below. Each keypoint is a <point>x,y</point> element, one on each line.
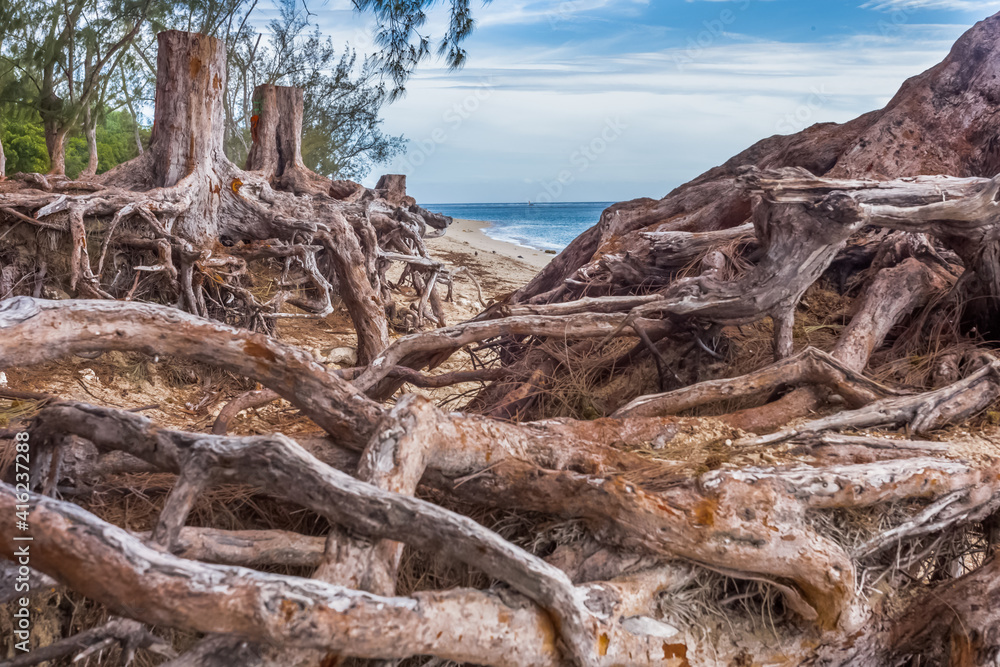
<point>51,106</point>
<point>55,142</point>
<point>3,158</point>
<point>188,124</point>
<point>90,129</point>
<point>392,188</point>
<point>131,111</point>
<point>188,120</point>
<point>276,130</point>
<point>138,137</point>
<point>276,151</point>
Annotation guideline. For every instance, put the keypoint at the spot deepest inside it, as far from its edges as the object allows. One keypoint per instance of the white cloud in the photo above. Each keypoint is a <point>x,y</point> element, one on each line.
<point>913,5</point>
<point>552,11</point>
<point>547,104</point>
<point>686,109</point>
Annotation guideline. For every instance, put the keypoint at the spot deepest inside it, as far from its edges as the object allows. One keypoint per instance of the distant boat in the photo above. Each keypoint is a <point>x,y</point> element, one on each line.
<point>529,203</point>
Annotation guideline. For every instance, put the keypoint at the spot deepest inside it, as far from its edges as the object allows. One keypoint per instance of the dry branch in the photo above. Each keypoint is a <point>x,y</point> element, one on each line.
<point>130,634</point>
<point>282,467</point>
<point>809,366</point>
<point>37,331</point>
<point>919,413</point>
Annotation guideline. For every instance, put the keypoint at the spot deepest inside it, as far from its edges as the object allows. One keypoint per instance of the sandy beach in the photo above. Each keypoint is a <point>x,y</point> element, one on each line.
<point>500,266</point>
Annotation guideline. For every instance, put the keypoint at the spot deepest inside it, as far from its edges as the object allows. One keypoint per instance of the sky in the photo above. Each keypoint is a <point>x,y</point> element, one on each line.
<point>608,100</point>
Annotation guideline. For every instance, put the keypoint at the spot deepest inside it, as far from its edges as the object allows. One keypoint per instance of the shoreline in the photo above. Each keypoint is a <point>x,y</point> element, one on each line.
<point>499,265</point>
<point>485,225</point>
<point>471,233</point>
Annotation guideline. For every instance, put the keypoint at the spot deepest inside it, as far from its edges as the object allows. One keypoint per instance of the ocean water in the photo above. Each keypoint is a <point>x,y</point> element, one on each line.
<point>540,226</point>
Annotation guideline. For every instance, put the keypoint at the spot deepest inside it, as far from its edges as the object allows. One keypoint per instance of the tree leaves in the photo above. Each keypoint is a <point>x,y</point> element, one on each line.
<point>403,47</point>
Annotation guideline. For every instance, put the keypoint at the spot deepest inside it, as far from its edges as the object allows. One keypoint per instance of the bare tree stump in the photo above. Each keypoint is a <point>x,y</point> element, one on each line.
<point>276,132</point>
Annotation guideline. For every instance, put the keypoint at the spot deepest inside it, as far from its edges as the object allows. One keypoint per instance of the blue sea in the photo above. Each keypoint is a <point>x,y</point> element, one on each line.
<point>541,226</point>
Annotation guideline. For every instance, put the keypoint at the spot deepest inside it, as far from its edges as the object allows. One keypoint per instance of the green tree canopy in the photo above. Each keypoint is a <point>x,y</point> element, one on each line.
<point>24,144</point>
<point>64,52</point>
<point>403,46</point>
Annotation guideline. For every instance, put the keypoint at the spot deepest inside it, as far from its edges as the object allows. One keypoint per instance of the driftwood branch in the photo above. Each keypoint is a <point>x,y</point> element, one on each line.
<point>107,564</point>
<point>37,331</point>
<point>920,413</point>
<point>809,366</point>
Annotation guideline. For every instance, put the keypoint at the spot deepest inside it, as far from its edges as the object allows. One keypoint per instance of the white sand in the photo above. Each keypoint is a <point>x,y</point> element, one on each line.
<point>502,266</point>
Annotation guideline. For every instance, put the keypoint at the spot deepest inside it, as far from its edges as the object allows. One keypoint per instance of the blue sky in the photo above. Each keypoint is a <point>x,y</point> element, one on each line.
<point>606,100</point>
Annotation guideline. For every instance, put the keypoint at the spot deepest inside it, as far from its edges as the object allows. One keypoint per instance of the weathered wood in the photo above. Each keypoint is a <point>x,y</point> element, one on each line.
<point>187,139</point>
<point>658,257</point>
<point>840,440</point>
<point>363,301</point>
<point>674,270</point>
<point>447,340</point>
<point>107,564</point>
<point>130,634</point>
<point>282,467</point>
<point>893,293</point>
<point>36,331</point>
<point>958,211</point>
<point>954,624</point>
<point>247,548</point>
<point>618,508</point>
<point>393,461</point>
<point>864,484</point>
<point>110,566</point>
<point>251,399</point>
<point>810,365</point>
<point>920,413</point>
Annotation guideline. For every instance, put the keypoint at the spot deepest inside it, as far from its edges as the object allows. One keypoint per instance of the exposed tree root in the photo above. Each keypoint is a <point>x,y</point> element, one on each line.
<point>675,516</point>
<point>72,327</point>
<point>174,224</point>
<point>809,366</point>
<point>132,635</point>
<point>920,413</point>
<point>294,474</point>
<point>955,624</point>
